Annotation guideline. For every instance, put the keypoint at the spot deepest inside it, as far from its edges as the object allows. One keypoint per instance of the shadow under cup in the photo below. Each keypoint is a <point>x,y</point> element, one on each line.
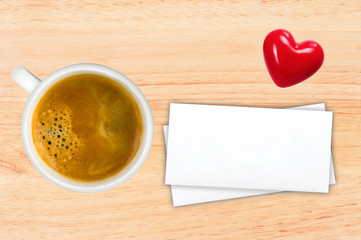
<point>88,186</point>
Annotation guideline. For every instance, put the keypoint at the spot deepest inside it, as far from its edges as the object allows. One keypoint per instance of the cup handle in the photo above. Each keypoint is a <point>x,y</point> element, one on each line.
<point>25,79</point>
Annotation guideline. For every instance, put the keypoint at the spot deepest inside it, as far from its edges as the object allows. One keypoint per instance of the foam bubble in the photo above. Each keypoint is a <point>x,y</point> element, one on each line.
<point>56,132</point>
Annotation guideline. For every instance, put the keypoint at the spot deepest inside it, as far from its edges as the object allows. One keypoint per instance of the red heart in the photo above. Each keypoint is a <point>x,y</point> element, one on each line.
<point>289,62</point>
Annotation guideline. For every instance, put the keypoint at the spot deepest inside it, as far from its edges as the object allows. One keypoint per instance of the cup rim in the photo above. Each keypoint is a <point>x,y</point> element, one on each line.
<point>92,186</point>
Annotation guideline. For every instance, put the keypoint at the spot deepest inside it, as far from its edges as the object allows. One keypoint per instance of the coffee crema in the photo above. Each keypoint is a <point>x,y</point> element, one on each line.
<point>87,127</point>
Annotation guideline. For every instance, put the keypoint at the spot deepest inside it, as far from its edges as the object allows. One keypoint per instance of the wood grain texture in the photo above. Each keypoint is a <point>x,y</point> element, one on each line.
<point>186,51</point>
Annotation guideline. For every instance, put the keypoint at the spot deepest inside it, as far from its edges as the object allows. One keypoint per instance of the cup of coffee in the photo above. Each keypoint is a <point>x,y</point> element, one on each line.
<point>85,127</point>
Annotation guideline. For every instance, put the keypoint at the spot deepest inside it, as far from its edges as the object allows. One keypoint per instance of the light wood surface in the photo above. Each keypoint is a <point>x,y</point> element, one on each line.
<point>184,51</point>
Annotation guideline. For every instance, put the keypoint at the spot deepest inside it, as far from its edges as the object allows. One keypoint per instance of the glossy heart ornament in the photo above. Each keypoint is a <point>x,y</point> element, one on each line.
<point>289,62</point>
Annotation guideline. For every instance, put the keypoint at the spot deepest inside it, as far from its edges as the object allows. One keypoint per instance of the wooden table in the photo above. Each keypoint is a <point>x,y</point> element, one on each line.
<point>182,51</point>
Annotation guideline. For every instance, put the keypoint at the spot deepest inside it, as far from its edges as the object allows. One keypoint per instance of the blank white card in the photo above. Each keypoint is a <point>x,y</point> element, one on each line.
<point>249,148</point>
<point>186,195</point>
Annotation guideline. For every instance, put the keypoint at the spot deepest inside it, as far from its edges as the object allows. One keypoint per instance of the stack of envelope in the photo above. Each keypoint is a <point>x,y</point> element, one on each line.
<point>224,152</point>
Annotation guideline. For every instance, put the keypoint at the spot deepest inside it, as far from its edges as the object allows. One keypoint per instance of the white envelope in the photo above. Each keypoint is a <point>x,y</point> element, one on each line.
<point>186,195</point>
<point>249,148</point>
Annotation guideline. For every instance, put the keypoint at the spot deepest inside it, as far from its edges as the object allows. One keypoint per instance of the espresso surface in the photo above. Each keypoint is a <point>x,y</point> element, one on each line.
<point>87,127</point>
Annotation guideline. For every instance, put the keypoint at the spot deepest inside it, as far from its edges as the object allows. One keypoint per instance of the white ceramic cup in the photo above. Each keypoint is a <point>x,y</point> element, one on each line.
<point>37,88</point>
